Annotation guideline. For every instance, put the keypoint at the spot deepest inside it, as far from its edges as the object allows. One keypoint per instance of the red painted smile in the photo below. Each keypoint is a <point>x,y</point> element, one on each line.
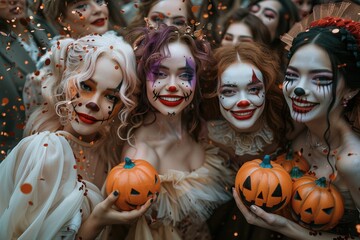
<point>302,106</point>
<point>99,22</point>
<point>243,114</point>
<point>171,100</point>
<point>87,119</point>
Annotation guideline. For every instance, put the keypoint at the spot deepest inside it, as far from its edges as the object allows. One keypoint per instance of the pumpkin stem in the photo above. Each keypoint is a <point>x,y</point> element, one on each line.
<point>321,182</point>
<point>290,154</point>
<point>266,162</point>
<point>128,163</point>
<point>296,172</point>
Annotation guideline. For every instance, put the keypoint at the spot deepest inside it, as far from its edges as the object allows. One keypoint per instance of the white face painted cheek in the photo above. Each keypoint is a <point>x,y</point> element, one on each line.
<point>228,103</point>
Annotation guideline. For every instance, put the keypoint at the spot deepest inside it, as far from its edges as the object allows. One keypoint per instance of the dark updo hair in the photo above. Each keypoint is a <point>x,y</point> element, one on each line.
<point>340,45</point>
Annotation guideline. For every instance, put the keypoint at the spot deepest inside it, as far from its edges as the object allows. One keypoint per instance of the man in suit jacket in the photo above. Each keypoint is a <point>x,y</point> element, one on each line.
<point>15,64</point>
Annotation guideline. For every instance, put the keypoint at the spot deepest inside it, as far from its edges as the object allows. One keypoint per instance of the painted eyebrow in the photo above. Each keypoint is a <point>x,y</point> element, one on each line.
<point>271,10</point>
<point>312,71</point>
<point>229,85</point>
<point>166,16</point>
<point>108,89</point>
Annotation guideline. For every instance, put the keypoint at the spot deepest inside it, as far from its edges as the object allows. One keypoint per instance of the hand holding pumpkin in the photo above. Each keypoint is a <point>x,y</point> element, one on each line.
<point>136,182</point>
<point>267,185</point>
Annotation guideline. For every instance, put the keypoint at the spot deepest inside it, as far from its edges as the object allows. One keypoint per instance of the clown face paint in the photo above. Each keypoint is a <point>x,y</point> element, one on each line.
<point>242,96</point>
<point>308,82</point>
<point>96,101</point>
<point>171,84</point>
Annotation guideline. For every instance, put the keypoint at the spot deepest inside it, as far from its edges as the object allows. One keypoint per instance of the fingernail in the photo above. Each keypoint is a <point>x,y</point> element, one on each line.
<point>233,189</point>
<point>253,208</point>
<point>151,200</point>
<point>116,193</point>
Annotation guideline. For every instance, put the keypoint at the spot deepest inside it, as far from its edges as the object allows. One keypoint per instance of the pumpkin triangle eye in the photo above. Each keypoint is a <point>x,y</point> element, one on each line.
<point>329,210</point>
<point>247,183</point>
<point>149,193</point>
<point>297,196</point>
<point>277,192</point>
<point>260,196</point>
<point>308,210</point>
<point>134,192</point>
<point>156,179</point>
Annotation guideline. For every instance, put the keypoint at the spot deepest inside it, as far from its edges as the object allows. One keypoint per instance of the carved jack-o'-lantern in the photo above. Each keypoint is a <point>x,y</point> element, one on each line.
<point>264,184</point>
<point>316,204</point>
<point>290,159</point>
<point>136,181</point>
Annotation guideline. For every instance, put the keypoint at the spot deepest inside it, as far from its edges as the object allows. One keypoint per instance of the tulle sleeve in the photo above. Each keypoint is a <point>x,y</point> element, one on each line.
<point>40,192</point>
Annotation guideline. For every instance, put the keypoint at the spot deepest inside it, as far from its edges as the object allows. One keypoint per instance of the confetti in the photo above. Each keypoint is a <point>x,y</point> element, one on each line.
<point>26,188</point>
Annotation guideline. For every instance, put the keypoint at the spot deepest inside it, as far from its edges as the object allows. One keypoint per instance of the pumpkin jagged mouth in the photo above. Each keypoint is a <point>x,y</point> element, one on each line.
<point>310,225</point>
<point>264,207</point>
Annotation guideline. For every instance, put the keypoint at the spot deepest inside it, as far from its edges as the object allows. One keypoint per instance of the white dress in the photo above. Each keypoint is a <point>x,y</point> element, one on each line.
<point>42,196</point>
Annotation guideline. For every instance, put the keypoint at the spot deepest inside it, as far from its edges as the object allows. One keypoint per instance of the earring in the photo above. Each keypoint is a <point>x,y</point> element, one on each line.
<point>345,102</point>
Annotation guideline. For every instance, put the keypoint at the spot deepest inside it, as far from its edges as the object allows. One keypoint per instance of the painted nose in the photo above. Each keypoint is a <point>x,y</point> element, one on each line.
<point>172,89</point>
<point>243,103</point>
<point>93,106</point>
<point>299,91</point>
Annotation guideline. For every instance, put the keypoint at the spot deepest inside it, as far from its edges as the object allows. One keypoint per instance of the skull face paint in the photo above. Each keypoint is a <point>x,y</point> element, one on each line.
<point>242,96</point>
<point>171,83</point>
<point>96,100</point>
<point>308,83</point>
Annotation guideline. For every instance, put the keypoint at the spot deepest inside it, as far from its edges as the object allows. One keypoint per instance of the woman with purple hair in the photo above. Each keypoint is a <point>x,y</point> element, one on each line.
<point>165,130</point>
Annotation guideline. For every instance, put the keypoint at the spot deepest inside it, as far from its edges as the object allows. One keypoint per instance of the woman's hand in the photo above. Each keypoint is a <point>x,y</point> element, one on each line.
<point>259,217</point>
<point>104,214</point>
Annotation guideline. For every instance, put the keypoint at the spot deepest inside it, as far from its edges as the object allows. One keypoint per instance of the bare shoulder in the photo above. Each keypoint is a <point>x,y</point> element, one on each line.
<point>141,150</point>
<point>348,158</point>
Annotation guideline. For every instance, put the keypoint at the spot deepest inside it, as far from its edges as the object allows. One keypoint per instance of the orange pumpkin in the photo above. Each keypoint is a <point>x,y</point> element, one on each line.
<point>290,159</point>
<point>136,181</point>
<point>316,204</point>
<point>264,183</point>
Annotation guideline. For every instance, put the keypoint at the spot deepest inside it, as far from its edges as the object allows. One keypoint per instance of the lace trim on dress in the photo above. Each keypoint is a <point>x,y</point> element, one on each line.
<point>243,143</point>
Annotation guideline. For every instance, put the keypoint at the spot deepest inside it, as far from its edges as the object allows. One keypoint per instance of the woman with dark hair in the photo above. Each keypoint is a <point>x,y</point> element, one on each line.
<point>321,88</point>
<point>242,26</point>
<point>170,12</point>
<point>279,16</point>
<point>165,127</point>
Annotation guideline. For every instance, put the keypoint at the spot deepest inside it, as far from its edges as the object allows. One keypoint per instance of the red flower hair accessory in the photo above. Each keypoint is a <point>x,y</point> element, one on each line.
<point>348,24</point>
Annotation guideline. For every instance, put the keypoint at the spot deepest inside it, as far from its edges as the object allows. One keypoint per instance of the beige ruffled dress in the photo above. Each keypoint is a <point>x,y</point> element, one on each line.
<point>185,202</point>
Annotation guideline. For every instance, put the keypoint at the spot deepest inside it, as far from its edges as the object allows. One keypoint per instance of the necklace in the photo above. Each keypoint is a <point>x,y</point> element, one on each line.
<point>315,143</point>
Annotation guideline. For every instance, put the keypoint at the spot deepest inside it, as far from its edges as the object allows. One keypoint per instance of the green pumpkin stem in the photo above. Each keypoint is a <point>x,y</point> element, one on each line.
<point>266,162</point>
<point>296,173</point>
<point>321,182</point>
<point>290,154</point>
<point>128,163</point>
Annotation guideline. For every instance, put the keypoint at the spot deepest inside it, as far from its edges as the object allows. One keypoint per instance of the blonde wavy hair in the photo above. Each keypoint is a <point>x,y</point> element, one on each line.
<point>73,61</point>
